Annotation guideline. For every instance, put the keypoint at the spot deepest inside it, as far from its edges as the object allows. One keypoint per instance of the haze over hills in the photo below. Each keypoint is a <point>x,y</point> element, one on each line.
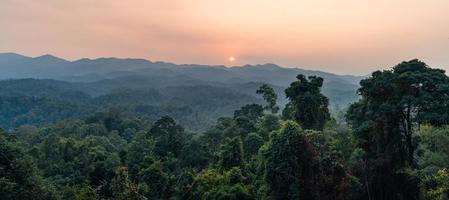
<point>14,66</point>
<point>142,86</point>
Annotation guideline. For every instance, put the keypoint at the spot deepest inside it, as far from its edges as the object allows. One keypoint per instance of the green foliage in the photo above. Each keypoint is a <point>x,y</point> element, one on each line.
<point>116,154</point>
<point>19,177</point>
<point>140,151</point>
<point>268,124</point>
<point>153,181</point>
<point>281,162</point>
<point>246,119</point>
<point>441,191</point>
<point>433,162</point>
<point>231,153</point>
<point>196,154</point>
<point>75,161</point>
<point>80,192</point>
<point>270,97</point>
<point>433,150</point>
<point>299,165</point>
<point>227,185</point>
<point>308,106</point>
<point>252,144</point>
<point>251,111</point>
<point>394,102</point>
<point>41,102</point>
<point>122,188</point>
<point>169,137</point>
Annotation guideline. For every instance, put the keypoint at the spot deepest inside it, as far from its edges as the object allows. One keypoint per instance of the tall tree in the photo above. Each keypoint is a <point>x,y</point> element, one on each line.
<point>270,97</point>
<point>169,136</point>
<point>308,104</point>
<point>291,164</point>
<point>393,103</point>
<point>246,118</point>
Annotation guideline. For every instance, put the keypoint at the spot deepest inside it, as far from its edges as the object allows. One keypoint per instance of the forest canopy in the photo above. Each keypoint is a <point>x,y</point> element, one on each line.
<point>392,143</point>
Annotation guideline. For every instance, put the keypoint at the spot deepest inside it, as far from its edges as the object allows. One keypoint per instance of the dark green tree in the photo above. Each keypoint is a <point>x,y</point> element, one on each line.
<point>432,160</point>
<point>195,154</point>
<point>80,192</point>
<point>393,103</point>
<point>246,119</point>
<point>139,152</point>
<point>222,185</point>
<point>290,164</point>
<point>231,153</point>
<point>307,104</point>
<point>19,177</point>
<point>270,97</point>
<point>110,119</point>
<point>154,181</point>
<point>252,144</point>
<point>169,137</point>
<point>122,188</point>
<point>251,111</point>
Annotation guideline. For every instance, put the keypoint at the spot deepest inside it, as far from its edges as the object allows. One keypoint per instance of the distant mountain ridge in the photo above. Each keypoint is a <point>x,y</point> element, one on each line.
<point>113,63</point>
<point>112,73</point>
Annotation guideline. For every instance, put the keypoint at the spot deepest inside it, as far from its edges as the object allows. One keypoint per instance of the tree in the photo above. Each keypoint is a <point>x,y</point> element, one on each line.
<point>252,144</point>
<point>290,164</point>
<point>393,103</point>
<point>270,97</point>
<point>81,192</point>
<point>184,185</point>
<point>267,124</point>
<point>140,151</point>
<point>122,188</point>
<point>251,111</point>
<point>169,137</point>
<point>110,119</point>
<point>433,151</point>
<point>222,185</point>
<point>433,162</point>
<point>309,106</point>
<point>19,177</point>
<point>247,117</point>
<point>154,181</point>
<point>231,153</point>
<point>441,191</point>
<point>195,154</point>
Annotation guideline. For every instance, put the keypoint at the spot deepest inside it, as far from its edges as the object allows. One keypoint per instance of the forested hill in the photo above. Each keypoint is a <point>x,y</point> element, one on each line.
<point>112,73</point>
<point>46,89</point>
<point>394,144</point>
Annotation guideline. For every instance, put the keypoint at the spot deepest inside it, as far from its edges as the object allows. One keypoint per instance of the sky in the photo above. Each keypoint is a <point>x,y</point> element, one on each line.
<point>340,36</point>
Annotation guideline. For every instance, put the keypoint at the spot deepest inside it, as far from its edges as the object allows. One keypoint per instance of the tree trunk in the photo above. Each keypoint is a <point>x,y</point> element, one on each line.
<point>408,136</point>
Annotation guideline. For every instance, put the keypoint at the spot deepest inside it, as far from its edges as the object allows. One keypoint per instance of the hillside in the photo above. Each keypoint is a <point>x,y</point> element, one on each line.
<point>47,89</point>
<point>113,73</point>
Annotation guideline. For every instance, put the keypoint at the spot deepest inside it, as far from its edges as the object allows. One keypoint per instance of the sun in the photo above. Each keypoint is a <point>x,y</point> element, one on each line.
<point>231,59</point>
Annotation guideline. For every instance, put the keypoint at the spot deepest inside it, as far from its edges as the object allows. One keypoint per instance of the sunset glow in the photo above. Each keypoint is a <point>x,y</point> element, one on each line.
<point>347,36</point>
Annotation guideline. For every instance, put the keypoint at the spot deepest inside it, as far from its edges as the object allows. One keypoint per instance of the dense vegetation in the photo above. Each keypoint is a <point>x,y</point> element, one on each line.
<point>393,145</point>
<point>41,102</point>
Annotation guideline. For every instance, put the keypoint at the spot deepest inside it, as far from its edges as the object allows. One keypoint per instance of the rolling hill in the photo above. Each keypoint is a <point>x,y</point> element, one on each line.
<point>45,89</point>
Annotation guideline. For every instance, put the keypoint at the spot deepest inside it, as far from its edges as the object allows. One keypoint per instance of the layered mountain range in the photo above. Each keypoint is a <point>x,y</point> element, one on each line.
<point>94,84</point>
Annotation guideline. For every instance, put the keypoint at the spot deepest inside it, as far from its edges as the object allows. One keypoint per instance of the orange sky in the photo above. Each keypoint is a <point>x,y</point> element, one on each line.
<point>342,36</point>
